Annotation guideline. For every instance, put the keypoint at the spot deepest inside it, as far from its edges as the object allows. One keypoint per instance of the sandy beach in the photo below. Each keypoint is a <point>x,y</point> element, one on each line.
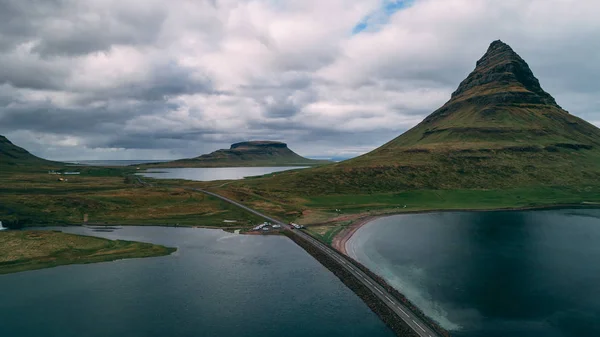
<point>340,240</point>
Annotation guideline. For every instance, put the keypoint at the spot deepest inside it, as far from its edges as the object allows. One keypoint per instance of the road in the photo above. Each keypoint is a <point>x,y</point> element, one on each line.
<point>402,311</point>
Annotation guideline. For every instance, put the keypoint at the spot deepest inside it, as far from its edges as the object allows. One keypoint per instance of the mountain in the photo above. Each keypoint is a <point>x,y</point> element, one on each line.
<point>499,129</point>
<point>253,153</point>
<point>12,155</point>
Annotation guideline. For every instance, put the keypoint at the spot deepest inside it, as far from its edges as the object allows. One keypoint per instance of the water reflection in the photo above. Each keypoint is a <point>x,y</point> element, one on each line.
<point>213,173</point>
<point>218,284</point>
<point>493,273</point>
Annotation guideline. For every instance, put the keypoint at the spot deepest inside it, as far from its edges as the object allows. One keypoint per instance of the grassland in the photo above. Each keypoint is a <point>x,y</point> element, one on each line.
<point>111,196</point>
<point>326,233</point>
<point>108,196</point>
<point>28,250</point>
<point>285,202</point>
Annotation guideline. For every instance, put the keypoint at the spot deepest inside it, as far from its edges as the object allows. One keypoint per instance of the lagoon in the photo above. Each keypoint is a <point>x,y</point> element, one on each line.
<point>216,284</point>
<point>213,173</point>
<point>517,273</point>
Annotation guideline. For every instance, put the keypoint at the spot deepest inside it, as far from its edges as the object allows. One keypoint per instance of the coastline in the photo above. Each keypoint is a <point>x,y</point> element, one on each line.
<point>341,239</point>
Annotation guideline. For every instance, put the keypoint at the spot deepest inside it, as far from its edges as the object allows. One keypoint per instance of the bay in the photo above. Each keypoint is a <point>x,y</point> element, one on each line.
<point>216,284</point>
<point>517,273</point>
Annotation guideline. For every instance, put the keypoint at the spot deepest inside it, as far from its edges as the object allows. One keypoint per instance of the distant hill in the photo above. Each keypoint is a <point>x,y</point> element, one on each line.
<point>500,129</point>
<point>253,153</point>
<point>12,155</point>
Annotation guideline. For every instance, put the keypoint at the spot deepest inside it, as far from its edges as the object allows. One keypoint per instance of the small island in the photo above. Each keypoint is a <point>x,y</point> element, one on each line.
<point>29,250</point>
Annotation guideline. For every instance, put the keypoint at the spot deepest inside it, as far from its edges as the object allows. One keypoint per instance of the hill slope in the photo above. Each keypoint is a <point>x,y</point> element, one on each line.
<point>254,153</point>
<point>500,129</point>
<point>12,155</point>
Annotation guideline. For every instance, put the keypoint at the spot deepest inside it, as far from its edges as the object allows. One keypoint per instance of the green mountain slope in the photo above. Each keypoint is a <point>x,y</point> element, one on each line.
<point>499,130</point>
<point>254,153</point>
<point>12,155</point>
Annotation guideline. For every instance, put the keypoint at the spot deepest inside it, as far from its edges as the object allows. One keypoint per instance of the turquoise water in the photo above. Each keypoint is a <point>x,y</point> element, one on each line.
<point>213,173</point>
<point>216,284</point>
<point>528,273</point>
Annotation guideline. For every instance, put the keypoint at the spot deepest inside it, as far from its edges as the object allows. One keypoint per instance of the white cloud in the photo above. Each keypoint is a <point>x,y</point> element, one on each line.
<point>149,78</point>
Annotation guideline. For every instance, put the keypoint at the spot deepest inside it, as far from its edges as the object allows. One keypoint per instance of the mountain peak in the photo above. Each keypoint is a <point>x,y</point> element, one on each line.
<point>499,130</point>
<point>499,47</point>
<point>500,73</point>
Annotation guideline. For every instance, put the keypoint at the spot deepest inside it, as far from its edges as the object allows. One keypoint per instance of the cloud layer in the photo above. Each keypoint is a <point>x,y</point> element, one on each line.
<point>149,79</point>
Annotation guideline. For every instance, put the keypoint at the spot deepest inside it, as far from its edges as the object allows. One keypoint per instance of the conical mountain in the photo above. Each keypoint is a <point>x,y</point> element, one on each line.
<point>500,105</point>
<point>12,155</point>
<point>499,129</point>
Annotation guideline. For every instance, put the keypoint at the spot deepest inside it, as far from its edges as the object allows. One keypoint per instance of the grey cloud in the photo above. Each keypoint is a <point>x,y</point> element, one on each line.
<point>282,109</point>
<point>21,19</point>
<point>44,117</point>
<point>85,36</point>
<point>183,105</point>
<point>163,81</point>
<point>27,71</point>
<point>71,27</point>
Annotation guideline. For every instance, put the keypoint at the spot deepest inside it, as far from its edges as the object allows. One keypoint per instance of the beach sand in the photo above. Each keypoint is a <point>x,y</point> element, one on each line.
<point>340,240</point>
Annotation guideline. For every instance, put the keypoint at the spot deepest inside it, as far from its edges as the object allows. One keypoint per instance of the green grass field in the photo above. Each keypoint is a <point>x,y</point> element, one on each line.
<point>34,198</point>
<point>108,196</point>
<point>28,250</point>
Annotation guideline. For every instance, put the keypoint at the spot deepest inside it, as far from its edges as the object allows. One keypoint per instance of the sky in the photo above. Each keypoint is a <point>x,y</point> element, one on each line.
<point>150,79</point>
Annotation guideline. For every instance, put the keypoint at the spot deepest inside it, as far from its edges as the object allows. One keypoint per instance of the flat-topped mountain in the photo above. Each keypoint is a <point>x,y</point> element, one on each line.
<point>499,129</point>
<point>252,153</point>
<point>13,155</point>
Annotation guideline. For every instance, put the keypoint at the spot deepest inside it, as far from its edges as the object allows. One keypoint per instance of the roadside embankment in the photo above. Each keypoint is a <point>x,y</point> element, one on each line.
<point>398,295</point>
<point>381,309</point>
<point>339,243</point>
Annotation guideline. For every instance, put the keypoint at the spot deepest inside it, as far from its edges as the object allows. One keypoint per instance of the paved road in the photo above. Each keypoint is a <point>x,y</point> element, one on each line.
<point>402,311</point>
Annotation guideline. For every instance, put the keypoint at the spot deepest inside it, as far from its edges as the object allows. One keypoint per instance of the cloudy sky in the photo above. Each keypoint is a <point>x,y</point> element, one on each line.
<point>146,79</point>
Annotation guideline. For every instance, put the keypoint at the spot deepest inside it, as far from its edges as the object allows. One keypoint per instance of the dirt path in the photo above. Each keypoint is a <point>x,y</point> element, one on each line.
<point>340,240</point>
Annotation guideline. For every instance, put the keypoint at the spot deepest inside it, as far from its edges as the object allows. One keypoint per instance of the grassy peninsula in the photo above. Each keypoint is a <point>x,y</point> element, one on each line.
<point>28,250</point>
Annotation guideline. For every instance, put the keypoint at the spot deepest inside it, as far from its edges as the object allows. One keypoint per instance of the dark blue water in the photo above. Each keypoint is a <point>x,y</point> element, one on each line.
<point>217,284</point>
<point>529,273</point>
<point>213,173</point>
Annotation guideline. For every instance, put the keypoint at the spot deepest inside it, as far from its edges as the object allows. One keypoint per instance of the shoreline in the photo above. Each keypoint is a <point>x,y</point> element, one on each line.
<point>341,239</point>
